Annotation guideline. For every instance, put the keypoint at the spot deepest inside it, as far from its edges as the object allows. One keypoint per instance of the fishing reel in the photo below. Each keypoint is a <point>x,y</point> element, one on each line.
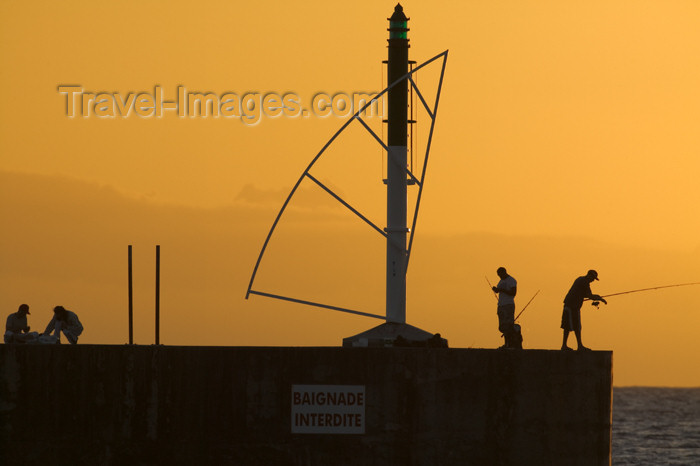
<point>595,304</point>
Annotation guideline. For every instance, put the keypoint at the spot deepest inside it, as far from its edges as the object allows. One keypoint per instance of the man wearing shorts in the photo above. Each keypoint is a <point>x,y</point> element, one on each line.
<point>571,315</point>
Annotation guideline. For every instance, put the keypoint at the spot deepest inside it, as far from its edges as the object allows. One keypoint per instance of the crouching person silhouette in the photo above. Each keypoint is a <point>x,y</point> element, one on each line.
<point>66,322</point>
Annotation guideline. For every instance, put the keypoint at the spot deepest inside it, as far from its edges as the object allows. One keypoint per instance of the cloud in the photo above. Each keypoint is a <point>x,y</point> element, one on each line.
<point>64,241</point>
<point>307,197</point>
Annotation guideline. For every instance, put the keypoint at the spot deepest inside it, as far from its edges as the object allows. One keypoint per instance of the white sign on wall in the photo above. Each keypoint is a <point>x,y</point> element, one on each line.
<point>328,409</point>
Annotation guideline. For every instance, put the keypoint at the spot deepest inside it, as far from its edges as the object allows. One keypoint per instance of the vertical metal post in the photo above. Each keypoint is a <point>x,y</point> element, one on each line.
<point>131,302</point>
<point>397,135</point>
<point>158,295</point>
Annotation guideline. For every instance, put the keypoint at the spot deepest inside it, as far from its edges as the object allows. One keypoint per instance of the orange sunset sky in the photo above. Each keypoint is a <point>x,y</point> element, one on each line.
<point>567,139</point>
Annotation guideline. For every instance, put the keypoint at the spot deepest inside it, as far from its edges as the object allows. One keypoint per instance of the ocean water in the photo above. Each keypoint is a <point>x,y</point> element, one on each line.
<point>656,426</point>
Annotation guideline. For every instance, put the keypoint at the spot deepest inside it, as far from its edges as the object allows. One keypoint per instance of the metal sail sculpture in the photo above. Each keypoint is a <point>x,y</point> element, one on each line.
<point>398,174</point>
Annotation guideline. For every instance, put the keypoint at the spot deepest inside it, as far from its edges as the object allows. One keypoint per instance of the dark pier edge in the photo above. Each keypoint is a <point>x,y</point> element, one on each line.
<point>147,405</point>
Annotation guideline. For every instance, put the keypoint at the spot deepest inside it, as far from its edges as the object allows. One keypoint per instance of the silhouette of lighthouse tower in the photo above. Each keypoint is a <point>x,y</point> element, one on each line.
<point>396,331</point>
<point>399,239</point>
<point>397,159</point>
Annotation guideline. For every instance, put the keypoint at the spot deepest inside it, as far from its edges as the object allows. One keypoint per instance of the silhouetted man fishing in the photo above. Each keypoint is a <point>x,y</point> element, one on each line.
<point>571,315</point>
<point>506,289</point>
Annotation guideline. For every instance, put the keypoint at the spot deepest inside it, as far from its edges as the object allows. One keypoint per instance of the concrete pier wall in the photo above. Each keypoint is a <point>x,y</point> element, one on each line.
<point>148,405</point>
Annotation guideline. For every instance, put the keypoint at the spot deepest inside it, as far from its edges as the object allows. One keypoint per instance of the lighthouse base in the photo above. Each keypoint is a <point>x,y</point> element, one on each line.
<point>391,334</point>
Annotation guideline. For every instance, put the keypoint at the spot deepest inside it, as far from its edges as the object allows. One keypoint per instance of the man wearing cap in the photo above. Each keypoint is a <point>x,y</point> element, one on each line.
<point>16,328</point>
<point>571,316</point>
<point>506,289</point>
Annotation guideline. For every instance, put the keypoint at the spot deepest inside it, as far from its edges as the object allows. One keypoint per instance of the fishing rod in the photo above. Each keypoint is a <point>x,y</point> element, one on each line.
<point>528,303</point>
<point>649,289</point>
<point>596,303</point>
<point>495,295</point>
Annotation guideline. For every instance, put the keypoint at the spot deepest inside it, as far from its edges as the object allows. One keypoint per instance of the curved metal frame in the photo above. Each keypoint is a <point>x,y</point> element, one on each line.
<point>433,115</point>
